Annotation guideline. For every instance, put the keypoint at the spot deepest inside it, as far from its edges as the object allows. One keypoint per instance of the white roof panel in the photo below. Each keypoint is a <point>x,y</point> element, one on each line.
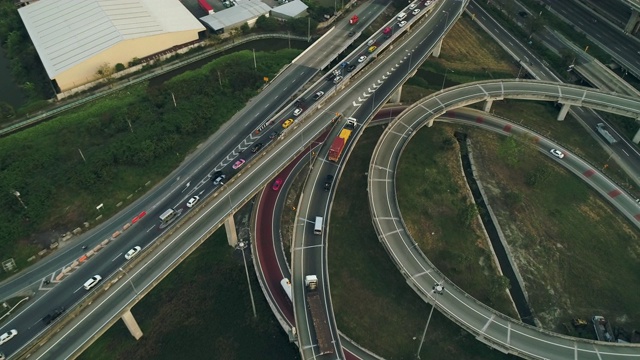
<point>292,8</point>
<point>236,15</point>
<point>67,32</point>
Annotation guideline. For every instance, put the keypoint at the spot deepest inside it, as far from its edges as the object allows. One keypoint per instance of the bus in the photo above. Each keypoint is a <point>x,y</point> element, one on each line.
<point>317,229</point>
<point>286,286</point>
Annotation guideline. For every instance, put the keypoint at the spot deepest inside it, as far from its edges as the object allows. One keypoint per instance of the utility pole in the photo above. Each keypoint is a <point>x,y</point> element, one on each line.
<point>255,64</point>
<point>81,154</point>
<point>17,194</point>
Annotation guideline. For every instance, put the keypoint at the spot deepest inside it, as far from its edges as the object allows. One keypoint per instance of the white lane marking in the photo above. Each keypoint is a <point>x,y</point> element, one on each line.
<point>116,258</point>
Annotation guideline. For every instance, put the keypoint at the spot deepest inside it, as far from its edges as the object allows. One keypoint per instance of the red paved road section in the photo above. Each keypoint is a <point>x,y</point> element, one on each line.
<point>479,119</point>
<point>637,217</point>
<point>614,193</point>
<point>589,173</point>
<point>266,246</point>
<point>507,128</point>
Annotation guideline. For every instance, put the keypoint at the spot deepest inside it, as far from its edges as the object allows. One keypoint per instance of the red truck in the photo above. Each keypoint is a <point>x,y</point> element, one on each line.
<point>205,6</point>
<point>354,20</point>
<point>340,142</point>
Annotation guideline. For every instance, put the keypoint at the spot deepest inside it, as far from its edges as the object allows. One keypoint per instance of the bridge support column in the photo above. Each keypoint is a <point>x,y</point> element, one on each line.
<point>436,50</point>
<point>230,227</point>
<point>563,111</point>
<point>395,97</point>
<point>487,105</point>
<point>636,137</point>
<point>632,22</point>
<point>132,325</point>
<point>430,122</point>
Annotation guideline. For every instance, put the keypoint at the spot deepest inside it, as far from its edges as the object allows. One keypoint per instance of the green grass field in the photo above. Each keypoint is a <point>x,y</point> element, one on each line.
<point>579,257</point>
<point>201,310</point>
<point>372,302</point>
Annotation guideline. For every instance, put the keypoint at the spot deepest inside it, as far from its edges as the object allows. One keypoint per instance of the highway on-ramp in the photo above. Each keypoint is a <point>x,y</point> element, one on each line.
<point>495,329</point>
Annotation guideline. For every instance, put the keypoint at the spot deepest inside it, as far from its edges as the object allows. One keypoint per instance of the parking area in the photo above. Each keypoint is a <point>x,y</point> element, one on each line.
<point>198,12</point>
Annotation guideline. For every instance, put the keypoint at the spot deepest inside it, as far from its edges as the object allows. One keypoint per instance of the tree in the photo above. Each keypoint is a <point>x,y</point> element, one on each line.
<point>245,29</point>
<point>105,71</point>
<point>6,110</point>
<point>119,67</point>
<point>267,23</point>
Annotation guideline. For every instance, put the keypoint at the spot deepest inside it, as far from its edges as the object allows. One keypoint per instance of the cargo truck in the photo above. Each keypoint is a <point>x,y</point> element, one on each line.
<point>318,313</point>
<point>340,142</point>
<point>605,133</point>
<point>354,20</point>
<point>205,6</point>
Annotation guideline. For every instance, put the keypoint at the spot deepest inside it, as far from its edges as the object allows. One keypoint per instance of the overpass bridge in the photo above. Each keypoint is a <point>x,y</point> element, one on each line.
<point>489,326</point>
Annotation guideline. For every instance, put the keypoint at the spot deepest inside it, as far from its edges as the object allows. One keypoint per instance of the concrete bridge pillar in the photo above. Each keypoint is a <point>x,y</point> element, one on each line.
<point>563,111</point>
<point>632,22</point>
<point>230,227</point>
<point>436,50</point>
<point>430,122</point>
<point>487,105</point>
<point>636,137</point>
<point>395,97</point>
<point>132,325</point>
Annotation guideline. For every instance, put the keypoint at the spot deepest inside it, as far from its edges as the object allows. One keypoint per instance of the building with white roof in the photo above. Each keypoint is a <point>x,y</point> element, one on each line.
<point>74,39</point>
<point>245,11</point>
<point>290,10</point>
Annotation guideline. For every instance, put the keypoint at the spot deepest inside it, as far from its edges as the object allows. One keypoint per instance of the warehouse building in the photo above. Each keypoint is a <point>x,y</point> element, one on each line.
<point>76,39</point>
<point>290,10</point>
<point>246,11</point>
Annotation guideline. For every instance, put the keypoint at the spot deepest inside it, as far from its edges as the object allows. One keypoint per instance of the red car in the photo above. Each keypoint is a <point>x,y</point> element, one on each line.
<point>277,184</point>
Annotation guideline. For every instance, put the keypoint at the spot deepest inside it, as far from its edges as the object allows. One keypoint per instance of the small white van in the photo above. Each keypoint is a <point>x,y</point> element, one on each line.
<point>401,16</point>
<point>92,282</point>
<point>317,228</point>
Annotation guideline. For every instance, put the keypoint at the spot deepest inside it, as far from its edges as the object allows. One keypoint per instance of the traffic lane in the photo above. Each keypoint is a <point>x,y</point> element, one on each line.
<point>267,241</point>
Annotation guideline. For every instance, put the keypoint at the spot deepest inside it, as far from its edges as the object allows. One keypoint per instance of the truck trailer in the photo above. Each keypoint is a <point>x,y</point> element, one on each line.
<point>340,142</point>
<point>602,130</point>
<point>320,323</point>
<point>204,5</point>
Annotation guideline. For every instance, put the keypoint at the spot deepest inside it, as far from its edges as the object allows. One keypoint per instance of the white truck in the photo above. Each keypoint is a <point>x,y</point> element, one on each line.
<point>320,323</point>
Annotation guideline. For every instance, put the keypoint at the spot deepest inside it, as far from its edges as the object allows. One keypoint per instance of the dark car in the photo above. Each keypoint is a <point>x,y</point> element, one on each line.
<point>54,315</point>
<point>330,77</point>
<point>218,178</point>
<point>350,68</point>
<point>351,33</point>
<point>255,148</point>
<point>274,135</point>
<point>327,182</point>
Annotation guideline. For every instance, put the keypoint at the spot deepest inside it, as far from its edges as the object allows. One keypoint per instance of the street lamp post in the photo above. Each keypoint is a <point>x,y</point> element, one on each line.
<point>242,246</point>
<point>17,195</point>
<point>438,289</point>
<point>130,281</point>
<point>445,77</point>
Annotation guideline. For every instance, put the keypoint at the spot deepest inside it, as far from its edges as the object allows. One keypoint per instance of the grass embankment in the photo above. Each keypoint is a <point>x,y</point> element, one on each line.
<point>577,255</point>
<point>372,302</point>
<point>441,217</point>
<point>541,116</point>
<point>202,310</point>
<point>467,55</point>
<point>104,151</point>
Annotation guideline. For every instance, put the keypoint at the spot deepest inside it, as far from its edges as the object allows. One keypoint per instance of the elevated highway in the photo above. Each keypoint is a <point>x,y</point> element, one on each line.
<point>489,326</point>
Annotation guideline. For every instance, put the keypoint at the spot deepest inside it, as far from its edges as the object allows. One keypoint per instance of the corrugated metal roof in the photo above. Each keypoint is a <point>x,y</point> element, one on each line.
<point>67,32</point>
<point>236,15</point>
<point>292,9</point>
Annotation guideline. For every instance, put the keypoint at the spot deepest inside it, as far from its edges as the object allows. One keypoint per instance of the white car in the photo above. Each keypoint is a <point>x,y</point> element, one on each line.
<point>362,58</point>
<point>412,6</point>
<point>557,153</point>
<point>193,201</point>
<point>337,79</point>
<point>133,252</point>
<point>92,282</point>
<point>402,23</point>
<point>416,12</point>
<point>297,111</point>
<point>318,95</point>
<point>8,336</point>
